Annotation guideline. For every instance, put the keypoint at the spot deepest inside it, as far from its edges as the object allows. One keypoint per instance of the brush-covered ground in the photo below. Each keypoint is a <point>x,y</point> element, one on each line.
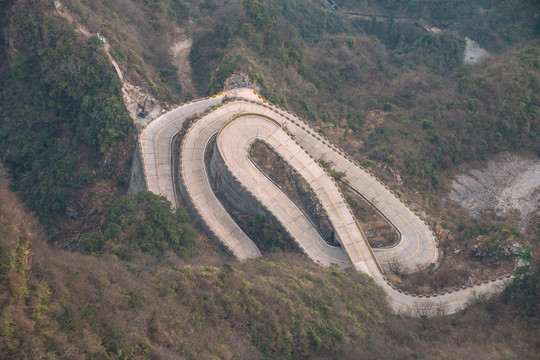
<point>146,282</point>
<point>63,305</point>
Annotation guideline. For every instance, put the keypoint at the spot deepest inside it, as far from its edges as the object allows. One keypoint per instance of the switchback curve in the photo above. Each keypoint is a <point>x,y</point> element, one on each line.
<point>244,111</point>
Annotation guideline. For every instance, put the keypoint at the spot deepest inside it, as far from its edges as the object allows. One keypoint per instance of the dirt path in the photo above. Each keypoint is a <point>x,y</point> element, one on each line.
<point>133,95</point>
<point>66,14</point>
<point>181,46</point>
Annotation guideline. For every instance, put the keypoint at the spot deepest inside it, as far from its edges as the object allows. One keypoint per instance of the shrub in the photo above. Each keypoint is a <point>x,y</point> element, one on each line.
<point>143,222</point>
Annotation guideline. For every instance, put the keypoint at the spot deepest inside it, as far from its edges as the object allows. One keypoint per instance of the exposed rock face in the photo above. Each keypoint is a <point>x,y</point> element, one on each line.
<point>508,183</point>
<point>493,255</point>
<point>473,53</point>
<point>239,80</point>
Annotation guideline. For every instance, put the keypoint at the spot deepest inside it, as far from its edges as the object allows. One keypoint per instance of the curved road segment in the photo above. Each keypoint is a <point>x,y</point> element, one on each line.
<point>239,117</point>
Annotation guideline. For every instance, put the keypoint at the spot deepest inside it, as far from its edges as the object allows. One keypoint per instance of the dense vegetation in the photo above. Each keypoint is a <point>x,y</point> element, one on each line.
<point>267,233</point>
<point>347,75</point>
<point>139,32</point>
<point>61,112</point>
<point>434,112</point>
<point>55,304</point>
<point>392,94</point>
<point>396,97</point>
<point>497,25</point>
<point>142,222</point>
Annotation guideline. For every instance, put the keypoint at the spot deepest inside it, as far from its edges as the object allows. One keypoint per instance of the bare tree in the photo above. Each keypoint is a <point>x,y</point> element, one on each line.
<point>423,311</point>
<point>394,266</point>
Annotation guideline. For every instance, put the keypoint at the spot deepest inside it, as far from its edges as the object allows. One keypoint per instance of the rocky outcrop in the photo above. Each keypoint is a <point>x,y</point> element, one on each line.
<point>492,255</point>
<point>239,80</point>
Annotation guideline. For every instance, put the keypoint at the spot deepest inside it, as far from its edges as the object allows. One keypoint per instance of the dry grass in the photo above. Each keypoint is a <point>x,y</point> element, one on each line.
<point>74,306</point>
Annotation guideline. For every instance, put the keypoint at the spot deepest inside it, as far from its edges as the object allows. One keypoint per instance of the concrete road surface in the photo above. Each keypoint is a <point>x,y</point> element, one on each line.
<point>239,117</point>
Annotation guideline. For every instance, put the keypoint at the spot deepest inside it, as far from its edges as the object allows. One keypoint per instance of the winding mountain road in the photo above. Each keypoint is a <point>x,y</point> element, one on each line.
<point>239,117</point>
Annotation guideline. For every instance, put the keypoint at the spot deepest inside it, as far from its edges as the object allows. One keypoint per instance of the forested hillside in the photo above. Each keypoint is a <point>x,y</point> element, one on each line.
<point>141,280</point>
<point>56,304</point>
<point>431,111</point>
<point>393,95</point>
<point>64,131</point>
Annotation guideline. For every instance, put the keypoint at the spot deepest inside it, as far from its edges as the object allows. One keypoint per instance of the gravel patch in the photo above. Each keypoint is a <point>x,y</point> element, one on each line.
<point>509,183</point>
